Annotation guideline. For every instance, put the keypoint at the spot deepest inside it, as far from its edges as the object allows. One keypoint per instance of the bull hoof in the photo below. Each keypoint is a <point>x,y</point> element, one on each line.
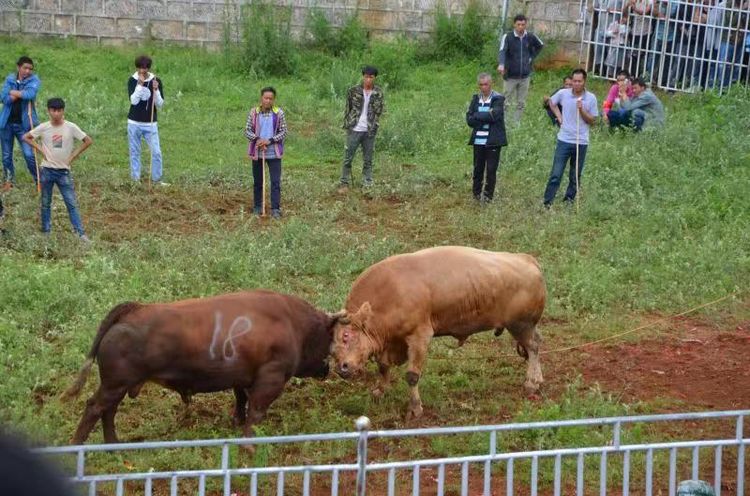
<point>414,412</point>
<point>531,388</point>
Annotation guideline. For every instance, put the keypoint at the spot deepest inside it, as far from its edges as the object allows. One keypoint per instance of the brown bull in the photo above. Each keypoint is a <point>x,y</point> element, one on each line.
<point>396,307</point>
<point>252,342</point>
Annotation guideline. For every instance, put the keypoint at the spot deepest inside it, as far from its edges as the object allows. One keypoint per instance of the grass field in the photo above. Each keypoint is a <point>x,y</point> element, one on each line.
<point>662,226</point>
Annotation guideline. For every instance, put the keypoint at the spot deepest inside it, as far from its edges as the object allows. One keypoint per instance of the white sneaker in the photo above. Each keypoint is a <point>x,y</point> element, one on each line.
<point>85,239</point>
<point>162,183</point>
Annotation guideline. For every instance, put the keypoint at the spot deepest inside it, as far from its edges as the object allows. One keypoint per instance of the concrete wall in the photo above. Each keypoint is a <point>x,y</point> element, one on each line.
<point>202,21</point>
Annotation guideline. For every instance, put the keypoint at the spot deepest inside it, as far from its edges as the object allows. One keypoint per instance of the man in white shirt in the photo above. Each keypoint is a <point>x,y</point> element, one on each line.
<point>579,112</point>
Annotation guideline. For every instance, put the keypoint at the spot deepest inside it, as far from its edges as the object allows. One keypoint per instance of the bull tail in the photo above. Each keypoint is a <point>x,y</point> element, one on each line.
<point>111,319</point>
<point>75,389</point>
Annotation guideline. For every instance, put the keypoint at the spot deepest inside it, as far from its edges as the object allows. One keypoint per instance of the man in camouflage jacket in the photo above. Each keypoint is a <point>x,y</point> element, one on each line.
<point>364,105</point>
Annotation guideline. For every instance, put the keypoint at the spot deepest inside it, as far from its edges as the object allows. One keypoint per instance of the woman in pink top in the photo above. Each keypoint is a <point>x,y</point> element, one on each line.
<point>613,96</point>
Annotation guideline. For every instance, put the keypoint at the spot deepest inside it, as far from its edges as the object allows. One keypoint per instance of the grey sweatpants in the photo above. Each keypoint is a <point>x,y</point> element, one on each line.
<point>516,91</point>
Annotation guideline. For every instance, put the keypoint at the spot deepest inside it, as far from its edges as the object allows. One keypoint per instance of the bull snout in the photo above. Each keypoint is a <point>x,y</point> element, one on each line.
<point>344,370</point>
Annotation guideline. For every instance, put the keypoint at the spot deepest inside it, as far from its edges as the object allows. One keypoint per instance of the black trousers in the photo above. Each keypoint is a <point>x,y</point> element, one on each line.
<point>274,168</point>
<point>486,163</point>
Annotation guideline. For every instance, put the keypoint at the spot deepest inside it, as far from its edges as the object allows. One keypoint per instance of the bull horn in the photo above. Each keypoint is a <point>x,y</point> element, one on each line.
<point>341,316</point>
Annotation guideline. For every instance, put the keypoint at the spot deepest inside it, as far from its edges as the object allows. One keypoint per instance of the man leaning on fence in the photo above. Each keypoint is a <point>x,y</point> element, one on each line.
<point>518,49</point>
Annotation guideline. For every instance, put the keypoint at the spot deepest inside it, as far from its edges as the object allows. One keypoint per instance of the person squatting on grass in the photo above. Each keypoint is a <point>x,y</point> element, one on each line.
<point>17,117</point>
<point>515,59</point>
<point>613,100</point>
<point>146,94</point>
<point>567,83</point>
<point>486,118</point>
<point>266,130</point>
<point>57,142</point>
<point>644,109</point>
<point>364,106</point>
<point>579,112</point>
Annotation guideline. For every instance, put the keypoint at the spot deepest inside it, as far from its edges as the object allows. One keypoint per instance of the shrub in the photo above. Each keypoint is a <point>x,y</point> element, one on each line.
<point>267,46</point>
<point>456,36</point>
<point>352,36</point>
<point>335,80</point>
<point>319,32</point>
<point>394,60</point>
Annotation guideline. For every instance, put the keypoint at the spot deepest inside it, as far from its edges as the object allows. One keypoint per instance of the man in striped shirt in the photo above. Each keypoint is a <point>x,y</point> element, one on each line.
<point>486,117</point>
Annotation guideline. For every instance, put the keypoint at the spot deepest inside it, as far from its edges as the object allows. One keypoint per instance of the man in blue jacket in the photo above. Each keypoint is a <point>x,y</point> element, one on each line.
<point>518,49</point>
<point>486,118</point>
<point>18,117</point>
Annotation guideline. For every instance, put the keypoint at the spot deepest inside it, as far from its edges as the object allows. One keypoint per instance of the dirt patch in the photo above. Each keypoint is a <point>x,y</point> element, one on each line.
<point>166,210</point>
<point>696,364</point>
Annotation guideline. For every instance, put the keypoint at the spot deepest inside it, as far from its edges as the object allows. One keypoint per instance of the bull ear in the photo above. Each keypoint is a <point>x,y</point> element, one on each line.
<point>364,313</point>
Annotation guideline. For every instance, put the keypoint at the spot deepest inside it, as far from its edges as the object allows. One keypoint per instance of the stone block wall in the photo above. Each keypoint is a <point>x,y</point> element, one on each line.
<point>202,21</point>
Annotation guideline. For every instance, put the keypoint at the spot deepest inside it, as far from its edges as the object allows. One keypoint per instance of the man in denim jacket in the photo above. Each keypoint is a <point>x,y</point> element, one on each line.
<point>18,117</point>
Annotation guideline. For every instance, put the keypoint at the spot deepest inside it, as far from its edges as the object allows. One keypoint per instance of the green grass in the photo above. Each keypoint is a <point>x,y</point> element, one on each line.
<point>662,227</point>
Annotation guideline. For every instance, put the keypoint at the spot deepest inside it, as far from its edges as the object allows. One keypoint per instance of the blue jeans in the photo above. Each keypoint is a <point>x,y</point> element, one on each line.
<point>727,70</point>
<point>626,118</point>
<point>150,133</point>
<point>64,182</point>
<point>565,152</point>
<point>7,134</point>
<point>274,168</point>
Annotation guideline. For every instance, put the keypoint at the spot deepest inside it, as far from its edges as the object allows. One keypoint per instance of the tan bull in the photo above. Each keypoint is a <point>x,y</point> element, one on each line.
<point>398,305</point>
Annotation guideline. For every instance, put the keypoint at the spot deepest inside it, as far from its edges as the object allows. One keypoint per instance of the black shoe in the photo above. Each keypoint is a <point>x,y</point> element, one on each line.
<point>276,214</point>
<point>256,211</point>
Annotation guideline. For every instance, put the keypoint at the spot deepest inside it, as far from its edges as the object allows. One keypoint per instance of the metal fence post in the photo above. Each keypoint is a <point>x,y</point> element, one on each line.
<point>740,457</point>
<point>363,425</point>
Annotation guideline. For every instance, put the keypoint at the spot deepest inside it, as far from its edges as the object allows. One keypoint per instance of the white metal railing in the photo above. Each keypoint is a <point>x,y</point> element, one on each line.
<point>363,476</point>
<point>680,45</point>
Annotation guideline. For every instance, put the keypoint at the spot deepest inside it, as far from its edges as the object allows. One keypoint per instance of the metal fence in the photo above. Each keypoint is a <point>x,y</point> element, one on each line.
<point>646,454</point>
<point>681,45</point>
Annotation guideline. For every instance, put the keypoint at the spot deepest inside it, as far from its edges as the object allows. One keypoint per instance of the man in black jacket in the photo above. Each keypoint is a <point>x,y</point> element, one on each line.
<point>486,117</point>
<point>518,49</point>
<point>146,94</point>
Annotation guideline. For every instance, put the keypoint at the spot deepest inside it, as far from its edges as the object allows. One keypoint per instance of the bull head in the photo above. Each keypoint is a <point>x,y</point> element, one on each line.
<point>350,347</point>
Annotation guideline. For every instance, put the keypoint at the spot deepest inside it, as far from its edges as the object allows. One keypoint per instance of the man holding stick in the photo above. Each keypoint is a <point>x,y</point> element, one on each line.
<point>266,131</point>
<point>146,96</point>
<point>579,112</point>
